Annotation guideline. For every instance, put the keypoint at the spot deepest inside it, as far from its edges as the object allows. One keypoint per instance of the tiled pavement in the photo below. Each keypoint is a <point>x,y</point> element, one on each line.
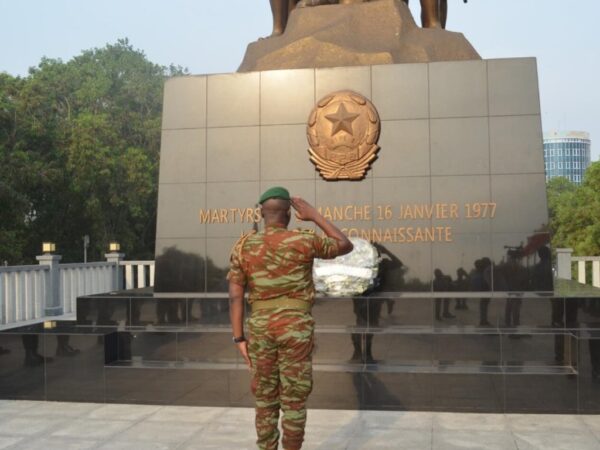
<point>66,426</point>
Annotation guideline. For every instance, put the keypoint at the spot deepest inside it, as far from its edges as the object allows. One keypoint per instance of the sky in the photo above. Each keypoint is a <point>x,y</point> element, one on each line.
<point>210,36</point>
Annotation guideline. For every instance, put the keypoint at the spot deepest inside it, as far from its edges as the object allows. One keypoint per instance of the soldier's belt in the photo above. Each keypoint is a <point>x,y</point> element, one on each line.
<point>281,303</point>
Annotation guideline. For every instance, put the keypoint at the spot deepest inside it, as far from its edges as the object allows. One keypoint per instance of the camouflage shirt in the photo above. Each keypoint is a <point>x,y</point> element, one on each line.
<point>277,263</point>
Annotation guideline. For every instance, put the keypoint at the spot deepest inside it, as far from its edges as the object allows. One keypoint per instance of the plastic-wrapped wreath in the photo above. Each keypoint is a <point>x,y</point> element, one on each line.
<point>347,275</point>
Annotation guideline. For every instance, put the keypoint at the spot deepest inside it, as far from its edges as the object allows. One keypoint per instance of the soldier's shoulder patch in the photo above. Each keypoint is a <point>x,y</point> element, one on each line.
<point>240,242</point>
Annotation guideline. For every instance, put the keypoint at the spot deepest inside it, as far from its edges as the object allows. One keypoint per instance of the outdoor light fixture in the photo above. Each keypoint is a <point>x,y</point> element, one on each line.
<point>48,247</point>
<point>49,324</point>
<point>114,246</point>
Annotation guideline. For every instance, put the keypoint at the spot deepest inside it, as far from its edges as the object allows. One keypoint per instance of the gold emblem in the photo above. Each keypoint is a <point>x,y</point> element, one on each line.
<point>343,130</point>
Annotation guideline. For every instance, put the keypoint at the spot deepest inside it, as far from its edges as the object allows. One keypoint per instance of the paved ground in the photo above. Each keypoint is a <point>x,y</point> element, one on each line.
<point>66,426</point>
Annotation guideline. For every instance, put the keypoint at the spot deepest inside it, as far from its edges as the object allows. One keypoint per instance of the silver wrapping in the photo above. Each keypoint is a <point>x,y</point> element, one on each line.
<point>348,275</point>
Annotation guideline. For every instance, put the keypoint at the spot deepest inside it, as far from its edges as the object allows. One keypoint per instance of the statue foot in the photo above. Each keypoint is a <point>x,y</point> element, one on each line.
<point>275,33</point>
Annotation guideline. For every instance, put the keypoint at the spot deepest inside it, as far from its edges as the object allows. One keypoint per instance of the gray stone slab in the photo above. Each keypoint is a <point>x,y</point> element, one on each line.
<point>460,146</point>
<point>513,86</point>
<point>233,100</point>
<point>167,432</point>
<point>220,435</point>
<point>183,156</point>
<point>9,441</point>
<point>516,144</point>
<point>332,418</point>
<point>17,406</point>
<point>235,415</point>
<point>398,419</point>
<point>470,421</point>
<point>185,103</point>
<point>529,440</point>
<point>124,412</point>
<point>130,445</point>
<point>480,440</point>
<point>404,149</point>
<point>458,89</point>
<point>519,196</point>
<point>91,429</point>
<point>233,154</point>
<point>284,153</point>
<point>57,443</point>
<point>592,422</point>
<point>61,409</point>
<point>28,426</point>
<point>180,205</point>
<point>549,423</point>
<point>392,439</point>
<point>183,414</point>
<point>401,91</point>
<point>357,79</point>
<point>286,96</point>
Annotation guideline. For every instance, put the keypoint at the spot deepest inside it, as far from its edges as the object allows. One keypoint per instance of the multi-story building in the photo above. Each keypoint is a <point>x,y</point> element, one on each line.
<point>567,154</point>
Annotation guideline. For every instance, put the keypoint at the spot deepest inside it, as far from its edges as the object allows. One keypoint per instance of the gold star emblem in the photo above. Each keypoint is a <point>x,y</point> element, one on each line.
<point>345,156</point>
<point>342,120</point>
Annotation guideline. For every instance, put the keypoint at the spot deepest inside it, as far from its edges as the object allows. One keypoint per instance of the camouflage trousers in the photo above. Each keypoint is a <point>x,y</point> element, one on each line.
<point>280,347</point>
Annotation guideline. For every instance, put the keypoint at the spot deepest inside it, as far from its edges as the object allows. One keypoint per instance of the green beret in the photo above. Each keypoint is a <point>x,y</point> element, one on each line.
<point>274,192</point>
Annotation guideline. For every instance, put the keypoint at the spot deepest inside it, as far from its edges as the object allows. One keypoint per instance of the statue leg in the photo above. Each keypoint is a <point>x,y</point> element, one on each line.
<point>430,14</point>
<point>279,8</point>
<point>443,12</point>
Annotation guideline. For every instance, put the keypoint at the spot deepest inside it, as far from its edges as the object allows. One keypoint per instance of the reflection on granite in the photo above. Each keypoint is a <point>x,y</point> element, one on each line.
<point>469,349</point>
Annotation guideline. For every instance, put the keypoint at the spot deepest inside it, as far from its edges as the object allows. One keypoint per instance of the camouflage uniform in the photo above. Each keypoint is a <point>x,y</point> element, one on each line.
<point>276,267</point>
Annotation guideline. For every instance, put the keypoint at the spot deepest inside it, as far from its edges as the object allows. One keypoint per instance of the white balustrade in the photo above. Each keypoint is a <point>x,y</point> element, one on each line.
<point>84,279</point>
<point>22,293</point>
<point>24,290</point>
<point>138,274</point>
<point>582,266</point>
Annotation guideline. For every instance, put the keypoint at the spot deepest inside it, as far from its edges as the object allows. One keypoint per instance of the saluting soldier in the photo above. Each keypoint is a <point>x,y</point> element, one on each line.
<point>275,265</point>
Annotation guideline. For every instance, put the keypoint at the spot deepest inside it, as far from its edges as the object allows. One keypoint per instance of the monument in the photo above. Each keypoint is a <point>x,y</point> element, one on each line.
<point>440,162</point>
<point>404,137</point>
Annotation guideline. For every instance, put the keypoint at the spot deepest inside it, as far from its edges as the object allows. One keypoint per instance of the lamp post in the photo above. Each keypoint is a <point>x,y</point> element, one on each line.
<point>86,244</point>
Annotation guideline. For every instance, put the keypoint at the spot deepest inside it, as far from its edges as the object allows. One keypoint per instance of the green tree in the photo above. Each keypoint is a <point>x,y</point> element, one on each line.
<point>79,145</point>
<point>575,213</point>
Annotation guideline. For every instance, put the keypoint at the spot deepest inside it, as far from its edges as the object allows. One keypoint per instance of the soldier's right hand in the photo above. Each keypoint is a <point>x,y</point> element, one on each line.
<point>304,210</point>
<point>243,349</point>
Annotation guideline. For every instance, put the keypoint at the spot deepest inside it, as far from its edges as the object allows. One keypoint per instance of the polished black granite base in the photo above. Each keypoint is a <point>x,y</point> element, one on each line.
<point>517,353</point>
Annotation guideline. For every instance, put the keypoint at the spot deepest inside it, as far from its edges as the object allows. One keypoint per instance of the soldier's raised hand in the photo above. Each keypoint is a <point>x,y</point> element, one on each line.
<point>304,210</point>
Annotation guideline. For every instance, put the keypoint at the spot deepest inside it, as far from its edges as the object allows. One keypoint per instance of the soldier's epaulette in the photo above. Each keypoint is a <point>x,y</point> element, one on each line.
<point>304,230</point>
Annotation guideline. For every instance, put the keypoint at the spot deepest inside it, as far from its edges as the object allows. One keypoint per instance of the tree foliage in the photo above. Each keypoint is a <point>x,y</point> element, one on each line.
<point>79,145</point>
<point>575,213</point>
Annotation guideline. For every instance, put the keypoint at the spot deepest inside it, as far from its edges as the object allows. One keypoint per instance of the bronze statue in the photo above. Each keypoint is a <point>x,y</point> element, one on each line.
<point>433,13</point>
<point>281,10</point>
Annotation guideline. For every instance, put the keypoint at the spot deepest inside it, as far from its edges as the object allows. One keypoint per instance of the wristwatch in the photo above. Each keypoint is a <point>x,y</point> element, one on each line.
<point>237,340</point>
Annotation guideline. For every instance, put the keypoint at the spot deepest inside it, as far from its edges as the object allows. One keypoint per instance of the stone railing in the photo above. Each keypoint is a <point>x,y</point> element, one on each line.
<point>23,293</point>
<point>31,293</point>
<point>565,263</point>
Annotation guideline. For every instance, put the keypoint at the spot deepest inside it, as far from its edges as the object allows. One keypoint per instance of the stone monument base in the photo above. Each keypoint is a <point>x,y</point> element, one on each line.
<point>344,35</point>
